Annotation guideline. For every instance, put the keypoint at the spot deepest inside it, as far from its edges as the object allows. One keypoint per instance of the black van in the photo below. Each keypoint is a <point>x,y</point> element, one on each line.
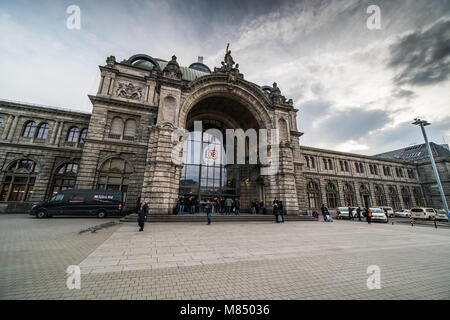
<point>78,202</point>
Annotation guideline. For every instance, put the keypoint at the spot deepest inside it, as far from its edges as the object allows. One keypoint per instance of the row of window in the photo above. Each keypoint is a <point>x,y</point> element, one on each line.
<point>73,135</point>
<point>359,167</point>
<point>20,178</point>
<point>350,199</point>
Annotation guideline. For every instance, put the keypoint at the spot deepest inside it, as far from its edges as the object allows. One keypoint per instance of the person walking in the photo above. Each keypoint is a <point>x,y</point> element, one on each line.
<point>253,208</point>
<point>181,206</point>
<point>368,215</point>
<point>350,214</point>
<point>192,205</point>
<point>237,206</point>
<point>281,211</point>
<point>324,210</point>
<point>358,213</point>
<point>208,210</point>
<point>228,205</point>
<point>143,212</point>
<point>276,210</point>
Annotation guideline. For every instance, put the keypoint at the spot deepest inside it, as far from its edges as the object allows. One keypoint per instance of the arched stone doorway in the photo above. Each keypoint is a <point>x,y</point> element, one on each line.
<point>206,173</point>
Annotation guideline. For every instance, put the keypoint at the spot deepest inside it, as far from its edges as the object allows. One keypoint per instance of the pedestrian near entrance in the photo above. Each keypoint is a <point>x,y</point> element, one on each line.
<point>208,210</point>
<point>138,204</point>
<point>181,206</point>
<point>237,206</point>
<point>192,205</point>
<point>143,212</point>
<point>368,215</point>
<point>358,213</point>
<point>350,214</point>
<point>281,211</point>
<point>228,205</point>
<point>324,210</point>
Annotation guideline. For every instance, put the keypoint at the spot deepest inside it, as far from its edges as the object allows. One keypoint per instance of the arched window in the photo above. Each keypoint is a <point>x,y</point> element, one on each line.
<point>30,128</point>
<point>365,196</point>
<point>83,135</point>
<point>65,177</point>
<point>394,198</point>
<point>130,130</point>
<point>349,195</point>
<point>406,197</point>
<point>115,175</point>
<point>332,195</point>
<point>116,131</point>
<point>418,197</point>
<point>380,197</point>
<point>19,181</point>
<point>313,195</point>
<point>73,135</point>
<point>43,131</point>
<point>307,161</point>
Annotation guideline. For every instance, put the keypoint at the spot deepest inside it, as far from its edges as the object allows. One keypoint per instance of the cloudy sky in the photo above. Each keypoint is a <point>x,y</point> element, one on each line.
<point>357,90</point>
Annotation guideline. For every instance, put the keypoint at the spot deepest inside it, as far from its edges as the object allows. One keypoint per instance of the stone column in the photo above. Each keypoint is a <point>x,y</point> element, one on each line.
<point>58,136</point>
<point>162,174</point>
<point>13,128</point>
<point>286,179</point>
<point>7,127</point>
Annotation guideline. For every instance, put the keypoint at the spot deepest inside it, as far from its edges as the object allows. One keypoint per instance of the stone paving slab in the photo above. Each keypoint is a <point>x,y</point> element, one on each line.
<point>296,260</point>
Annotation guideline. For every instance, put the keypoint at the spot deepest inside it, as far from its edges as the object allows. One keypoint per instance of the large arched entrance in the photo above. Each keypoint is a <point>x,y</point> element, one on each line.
<point>206,173</point>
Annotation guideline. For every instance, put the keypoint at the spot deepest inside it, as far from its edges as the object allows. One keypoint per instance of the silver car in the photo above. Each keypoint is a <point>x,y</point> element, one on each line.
<point>405,213</point>
<point>378,215</point>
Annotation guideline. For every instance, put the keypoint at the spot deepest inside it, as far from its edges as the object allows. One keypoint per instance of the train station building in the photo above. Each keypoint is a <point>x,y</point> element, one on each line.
<point>127,143</point>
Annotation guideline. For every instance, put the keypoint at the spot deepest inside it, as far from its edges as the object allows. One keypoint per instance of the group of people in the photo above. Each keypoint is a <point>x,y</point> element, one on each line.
<point>278,210</point>
<point>257,207</point>
<point>226,206</point>
<point>365,212</point>
<point>219,205</point>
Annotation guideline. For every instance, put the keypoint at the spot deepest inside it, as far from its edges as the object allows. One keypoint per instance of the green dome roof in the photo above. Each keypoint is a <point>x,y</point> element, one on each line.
<point>188,73</point>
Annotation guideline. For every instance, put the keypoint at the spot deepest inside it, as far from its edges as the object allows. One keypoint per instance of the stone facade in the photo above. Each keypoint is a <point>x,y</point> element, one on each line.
<point>141,102</point>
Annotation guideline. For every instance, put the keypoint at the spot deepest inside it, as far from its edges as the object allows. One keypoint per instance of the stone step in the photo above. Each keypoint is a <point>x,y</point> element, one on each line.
<point>215,218</point>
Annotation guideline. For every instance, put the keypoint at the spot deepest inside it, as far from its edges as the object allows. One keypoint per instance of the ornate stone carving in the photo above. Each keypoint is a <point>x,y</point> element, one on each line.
<point>275,95</point>
<point>129,91</point>
<point>111,61</point>
<point>172,69</point>
<point>228,65</point>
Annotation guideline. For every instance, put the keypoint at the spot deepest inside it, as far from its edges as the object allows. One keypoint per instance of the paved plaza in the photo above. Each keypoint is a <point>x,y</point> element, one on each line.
<point>294,260</point>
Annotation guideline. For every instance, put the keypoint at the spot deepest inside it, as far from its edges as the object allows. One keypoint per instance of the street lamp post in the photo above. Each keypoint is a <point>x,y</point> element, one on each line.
<point>422,124</point>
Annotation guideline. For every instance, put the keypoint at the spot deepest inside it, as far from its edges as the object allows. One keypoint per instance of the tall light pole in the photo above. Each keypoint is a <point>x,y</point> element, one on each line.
<point>422,124</point>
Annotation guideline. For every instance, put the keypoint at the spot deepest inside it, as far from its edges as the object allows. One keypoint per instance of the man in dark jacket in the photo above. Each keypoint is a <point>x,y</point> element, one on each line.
<point>237,206</point>
<point>358,213</point>
<point>281,211</point>
<point>143,212</point>
<point>138,204</point>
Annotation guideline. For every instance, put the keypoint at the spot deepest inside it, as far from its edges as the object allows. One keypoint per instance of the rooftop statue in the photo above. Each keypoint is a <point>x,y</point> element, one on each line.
<point>228,64</point>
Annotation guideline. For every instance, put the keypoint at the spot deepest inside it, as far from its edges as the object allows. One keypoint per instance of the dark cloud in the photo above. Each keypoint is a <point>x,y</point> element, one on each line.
<point>422,57</point>
<point>339,126</point>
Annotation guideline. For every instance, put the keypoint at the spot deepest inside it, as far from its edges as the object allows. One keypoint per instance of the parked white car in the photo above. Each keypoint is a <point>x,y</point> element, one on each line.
<point>405,213</point>
<point>342,212</point>
<point>441,215</point>
<point>389,210</point>
<point>378,214</point>
<point>423,213</point>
